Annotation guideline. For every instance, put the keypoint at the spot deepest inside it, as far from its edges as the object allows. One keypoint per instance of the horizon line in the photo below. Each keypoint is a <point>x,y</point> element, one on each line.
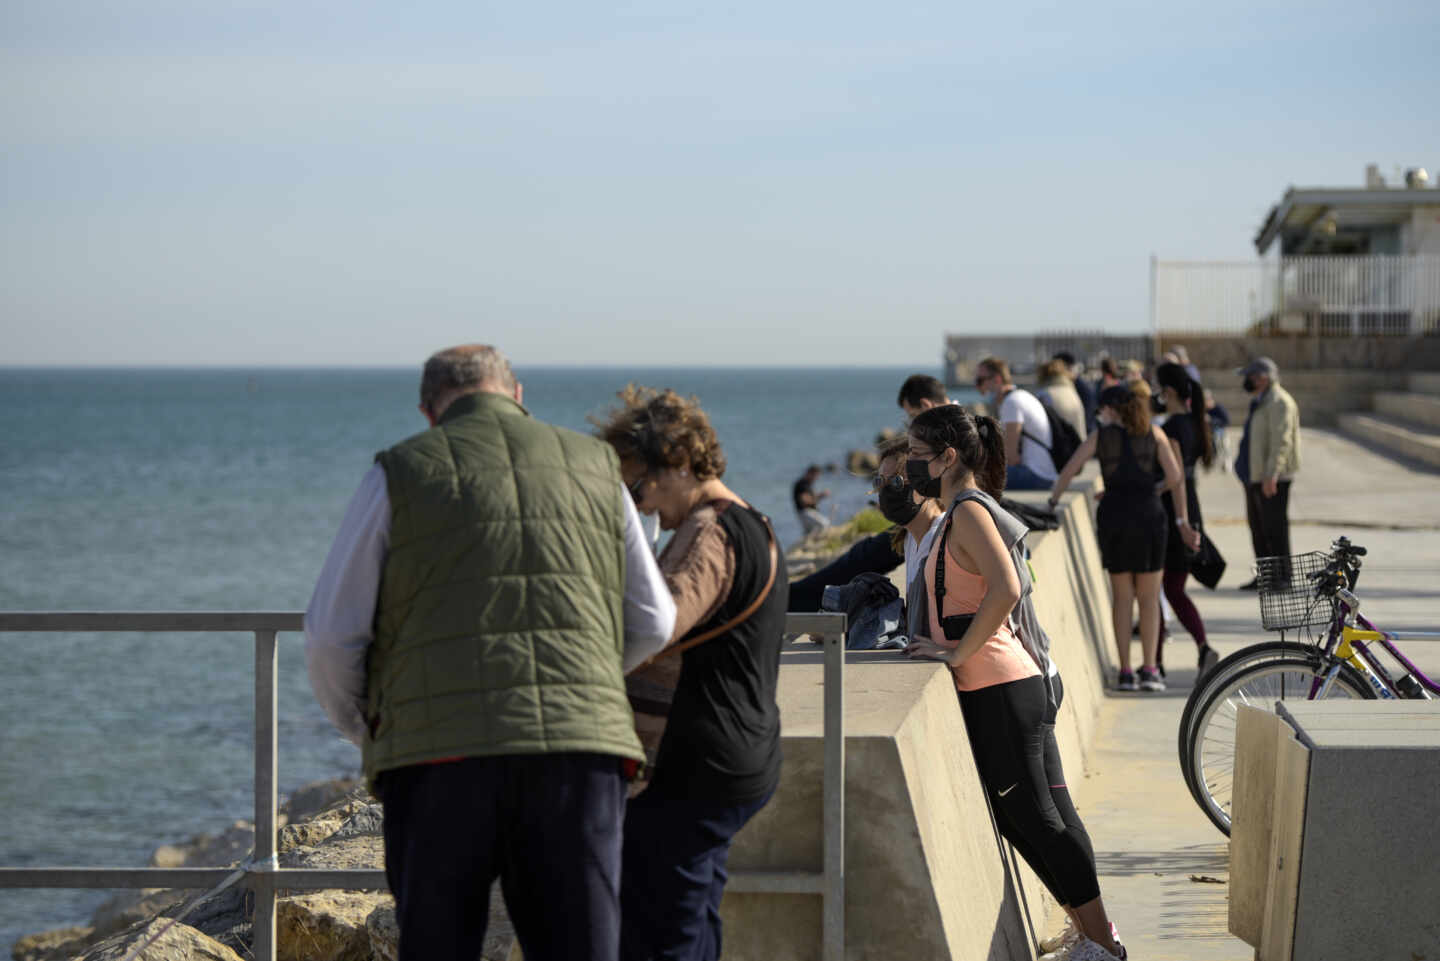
<point>413,367</point>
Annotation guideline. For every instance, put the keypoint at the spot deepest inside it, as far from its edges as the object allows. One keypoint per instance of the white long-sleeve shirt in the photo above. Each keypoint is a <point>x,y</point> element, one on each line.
<point>339,623</point>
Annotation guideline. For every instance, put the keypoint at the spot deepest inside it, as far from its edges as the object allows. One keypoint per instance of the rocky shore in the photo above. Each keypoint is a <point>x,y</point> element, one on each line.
<point>330,824</point>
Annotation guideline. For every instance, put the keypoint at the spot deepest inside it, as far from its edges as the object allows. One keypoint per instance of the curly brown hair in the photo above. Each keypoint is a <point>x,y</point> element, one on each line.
<point>661,429</point>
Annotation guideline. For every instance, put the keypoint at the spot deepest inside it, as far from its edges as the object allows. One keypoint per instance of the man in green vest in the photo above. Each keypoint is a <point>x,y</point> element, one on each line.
<point>470,631</point>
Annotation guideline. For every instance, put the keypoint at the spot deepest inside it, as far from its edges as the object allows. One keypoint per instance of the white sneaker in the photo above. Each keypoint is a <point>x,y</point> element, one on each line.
<point>1068,935</point>
<point>1087,950</point>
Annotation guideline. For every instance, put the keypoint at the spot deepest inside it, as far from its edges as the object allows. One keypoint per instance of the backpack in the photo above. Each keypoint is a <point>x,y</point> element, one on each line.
<point>1064,441</point>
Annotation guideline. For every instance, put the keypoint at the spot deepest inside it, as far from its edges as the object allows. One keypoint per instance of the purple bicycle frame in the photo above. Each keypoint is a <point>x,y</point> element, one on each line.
<point>1342,610</point>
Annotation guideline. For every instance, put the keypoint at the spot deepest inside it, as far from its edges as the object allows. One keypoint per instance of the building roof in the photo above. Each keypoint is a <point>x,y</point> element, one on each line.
<point>1303,207</point>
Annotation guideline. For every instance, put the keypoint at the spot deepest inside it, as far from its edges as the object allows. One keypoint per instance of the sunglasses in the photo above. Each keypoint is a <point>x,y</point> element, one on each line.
<point>879,482</point>
<point>637,489</point>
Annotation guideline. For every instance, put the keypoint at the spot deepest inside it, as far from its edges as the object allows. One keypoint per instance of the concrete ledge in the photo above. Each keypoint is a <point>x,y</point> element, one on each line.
<point>927,875</point>
<point>1424,383</point>
<point>1393,436</point>
<point>1422,410</point>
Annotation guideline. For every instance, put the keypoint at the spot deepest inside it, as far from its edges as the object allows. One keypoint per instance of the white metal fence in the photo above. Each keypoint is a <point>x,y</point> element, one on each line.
<point>1332,296</point>
<point>263,875</point>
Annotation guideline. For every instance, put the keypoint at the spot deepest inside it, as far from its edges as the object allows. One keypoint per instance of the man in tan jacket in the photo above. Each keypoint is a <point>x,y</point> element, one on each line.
<point>1269,458</point>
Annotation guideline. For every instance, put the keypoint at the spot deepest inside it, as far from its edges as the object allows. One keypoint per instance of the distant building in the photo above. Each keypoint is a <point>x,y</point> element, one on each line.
<point>1376,219</point>
<point>1343,262</point>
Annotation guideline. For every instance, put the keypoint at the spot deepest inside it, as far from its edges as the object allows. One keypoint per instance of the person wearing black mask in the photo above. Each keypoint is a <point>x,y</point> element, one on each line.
<point>906,543</point>
<point>1269,459</point>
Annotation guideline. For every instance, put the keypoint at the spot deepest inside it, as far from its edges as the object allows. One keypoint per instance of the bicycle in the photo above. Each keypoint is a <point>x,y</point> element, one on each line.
<point>1295,592</point>
<point>1275,614</point>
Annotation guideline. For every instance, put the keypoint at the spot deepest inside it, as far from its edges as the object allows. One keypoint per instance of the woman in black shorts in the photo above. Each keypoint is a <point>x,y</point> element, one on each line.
<point>1131,521</point>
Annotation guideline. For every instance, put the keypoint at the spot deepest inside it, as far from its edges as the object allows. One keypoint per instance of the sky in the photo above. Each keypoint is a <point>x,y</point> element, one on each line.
<point>238,182</point>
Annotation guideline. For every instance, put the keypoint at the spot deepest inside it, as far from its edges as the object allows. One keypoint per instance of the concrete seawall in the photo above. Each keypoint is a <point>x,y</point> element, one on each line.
<point>927,876</point>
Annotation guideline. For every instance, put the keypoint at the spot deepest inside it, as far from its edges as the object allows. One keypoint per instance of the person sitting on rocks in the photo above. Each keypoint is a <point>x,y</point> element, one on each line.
<point>807,501</point>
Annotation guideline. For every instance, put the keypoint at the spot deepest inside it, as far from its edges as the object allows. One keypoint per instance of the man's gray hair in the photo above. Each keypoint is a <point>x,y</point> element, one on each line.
<point>464,370</point>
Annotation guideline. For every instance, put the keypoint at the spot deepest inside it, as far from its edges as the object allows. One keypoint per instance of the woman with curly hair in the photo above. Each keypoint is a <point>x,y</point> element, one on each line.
<point>707,713</point>
<point>1130,521</point>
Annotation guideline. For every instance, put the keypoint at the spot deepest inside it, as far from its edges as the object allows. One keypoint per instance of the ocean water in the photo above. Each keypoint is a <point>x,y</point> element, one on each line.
<point>221,490</point>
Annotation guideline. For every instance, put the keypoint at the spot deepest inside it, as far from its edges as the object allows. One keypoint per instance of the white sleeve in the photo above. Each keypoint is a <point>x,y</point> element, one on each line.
<point>339,623</point>
<point>649,608</point>
<point>1010,409</point>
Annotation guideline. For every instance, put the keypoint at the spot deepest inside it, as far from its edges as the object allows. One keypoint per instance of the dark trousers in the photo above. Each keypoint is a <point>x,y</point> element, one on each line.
<point>1012,734</point>
<point>1269,519</point>
<point>674,876</point>
<point>548,825</point>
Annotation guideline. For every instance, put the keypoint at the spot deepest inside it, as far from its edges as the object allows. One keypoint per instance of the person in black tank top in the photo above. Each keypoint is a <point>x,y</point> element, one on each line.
<point>705,706</point>
<point>1130,522</point>
<point>1188,429</point>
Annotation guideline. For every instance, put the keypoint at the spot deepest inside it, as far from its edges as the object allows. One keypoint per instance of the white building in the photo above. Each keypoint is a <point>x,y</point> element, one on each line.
<point>1374,220</point>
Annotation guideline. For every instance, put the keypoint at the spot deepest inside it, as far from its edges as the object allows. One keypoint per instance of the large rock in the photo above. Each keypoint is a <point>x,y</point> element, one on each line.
<point>221,850</point>
<point>500,941</point>
<point>180,943</point>
<point>62,944</point>
<point>132,907</point>
<point>318,796</point>
<point>326,925</point>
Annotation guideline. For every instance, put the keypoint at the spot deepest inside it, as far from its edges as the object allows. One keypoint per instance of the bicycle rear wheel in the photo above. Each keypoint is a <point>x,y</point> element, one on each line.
<point>1260,684</point>
<point>1212,682</point>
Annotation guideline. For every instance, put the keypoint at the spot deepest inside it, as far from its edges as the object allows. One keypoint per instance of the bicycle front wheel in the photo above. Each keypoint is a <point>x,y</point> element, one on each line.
<point>1206,686</point>
<point>1212,740</point>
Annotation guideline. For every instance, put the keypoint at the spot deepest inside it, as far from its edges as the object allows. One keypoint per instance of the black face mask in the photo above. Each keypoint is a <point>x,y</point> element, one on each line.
<point>917,471</point>
<point>895,501</point>
<point>1157,405</point>
<point>1249,384</point>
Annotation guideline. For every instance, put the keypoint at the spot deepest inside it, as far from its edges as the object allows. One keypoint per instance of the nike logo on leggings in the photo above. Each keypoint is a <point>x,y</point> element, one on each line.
<point>1007,790</point>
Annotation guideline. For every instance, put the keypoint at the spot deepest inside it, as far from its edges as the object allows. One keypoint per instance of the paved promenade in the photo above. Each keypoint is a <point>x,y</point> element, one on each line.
<point>1150,838</point>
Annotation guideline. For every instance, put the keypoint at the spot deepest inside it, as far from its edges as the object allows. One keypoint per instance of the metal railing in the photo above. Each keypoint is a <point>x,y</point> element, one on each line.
<point>1331,296</point>
<point>265,877</point>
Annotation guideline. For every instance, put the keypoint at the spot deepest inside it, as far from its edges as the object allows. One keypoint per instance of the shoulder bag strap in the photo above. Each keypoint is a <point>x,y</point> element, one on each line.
<point>738,618</point>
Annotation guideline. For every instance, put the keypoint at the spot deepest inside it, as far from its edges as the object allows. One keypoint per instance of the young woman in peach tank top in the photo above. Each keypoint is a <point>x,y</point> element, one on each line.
<point>1003,694</point>
<point>1000,657</point>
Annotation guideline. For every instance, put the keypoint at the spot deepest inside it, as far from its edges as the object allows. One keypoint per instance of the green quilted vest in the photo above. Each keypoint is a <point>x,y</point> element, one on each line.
<point>499,624</point>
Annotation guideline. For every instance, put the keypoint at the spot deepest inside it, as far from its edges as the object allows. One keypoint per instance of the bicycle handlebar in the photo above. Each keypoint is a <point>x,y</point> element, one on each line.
<point>1342,545</point>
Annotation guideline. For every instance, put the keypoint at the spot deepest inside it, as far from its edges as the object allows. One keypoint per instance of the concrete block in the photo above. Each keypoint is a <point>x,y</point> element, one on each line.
<point>1393,436</point>
<point>926,874</point>
<point>1421,410</point>
<point>1352,868</point>
<point>1425,383</point>
<point>1257,743</point>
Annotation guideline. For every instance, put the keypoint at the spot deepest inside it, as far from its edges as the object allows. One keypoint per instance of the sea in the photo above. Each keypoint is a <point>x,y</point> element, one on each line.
<point>221,489</point>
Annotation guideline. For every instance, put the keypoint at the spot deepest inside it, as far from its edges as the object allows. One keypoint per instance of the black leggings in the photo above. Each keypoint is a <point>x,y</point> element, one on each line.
<point>1012,734</point>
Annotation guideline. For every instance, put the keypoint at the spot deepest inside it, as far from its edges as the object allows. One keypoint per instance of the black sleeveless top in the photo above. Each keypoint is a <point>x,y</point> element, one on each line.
<point>722,740</point>
<point>1181,429</point>
<point>1128,464</point>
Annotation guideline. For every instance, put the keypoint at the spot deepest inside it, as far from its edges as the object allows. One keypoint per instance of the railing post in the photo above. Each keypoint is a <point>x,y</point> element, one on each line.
<point>262,877</point>
<point>833,924</point>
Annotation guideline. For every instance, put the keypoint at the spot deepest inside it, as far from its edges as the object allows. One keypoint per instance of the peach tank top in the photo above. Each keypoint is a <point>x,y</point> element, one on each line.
<point>1000,659</point>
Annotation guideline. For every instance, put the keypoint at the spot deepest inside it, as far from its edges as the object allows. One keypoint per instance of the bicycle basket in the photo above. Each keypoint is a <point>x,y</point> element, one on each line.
<point>1287,593</point>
